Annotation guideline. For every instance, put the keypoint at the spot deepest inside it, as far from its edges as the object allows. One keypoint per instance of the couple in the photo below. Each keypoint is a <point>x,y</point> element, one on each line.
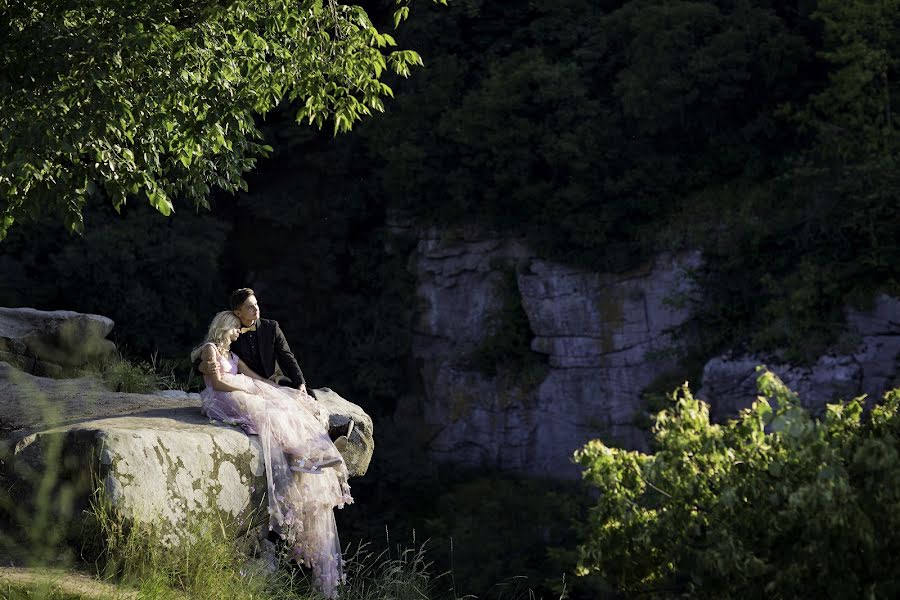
<point>305,474</point>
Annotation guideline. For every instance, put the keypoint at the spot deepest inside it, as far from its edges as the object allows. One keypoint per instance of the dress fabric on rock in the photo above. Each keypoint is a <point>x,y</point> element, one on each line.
<point>293,431</point>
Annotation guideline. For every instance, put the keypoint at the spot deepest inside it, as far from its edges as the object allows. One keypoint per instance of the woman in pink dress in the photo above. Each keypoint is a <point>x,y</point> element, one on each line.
<point>305,474</point>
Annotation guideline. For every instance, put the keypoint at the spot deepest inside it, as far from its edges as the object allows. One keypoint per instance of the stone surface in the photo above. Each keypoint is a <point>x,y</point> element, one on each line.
<point>361,442</point>
<point>729,384</point>
<point>871,368</point>
<point>42,342</point>
<point>160,466</point>
<point>605,339</point>
<point>457,283</point>
<point>28,402</point>
<point>585,319</point>
<point>602,335</point>
<point>160,461</point>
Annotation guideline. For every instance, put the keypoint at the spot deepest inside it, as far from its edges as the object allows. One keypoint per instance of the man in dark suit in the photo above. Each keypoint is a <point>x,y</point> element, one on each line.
<point>261,343</point>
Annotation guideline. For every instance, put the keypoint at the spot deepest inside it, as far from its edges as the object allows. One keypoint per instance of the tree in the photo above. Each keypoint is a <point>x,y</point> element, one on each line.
<point>853,116</point>
<point>121,98</point>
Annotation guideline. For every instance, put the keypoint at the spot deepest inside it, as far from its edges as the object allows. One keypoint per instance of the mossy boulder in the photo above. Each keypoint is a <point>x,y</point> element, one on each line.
<point>157,459</point>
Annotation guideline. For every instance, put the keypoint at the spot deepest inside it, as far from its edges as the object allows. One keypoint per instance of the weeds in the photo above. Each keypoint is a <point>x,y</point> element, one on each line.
<point>404,577</point>
<point>121,374</point>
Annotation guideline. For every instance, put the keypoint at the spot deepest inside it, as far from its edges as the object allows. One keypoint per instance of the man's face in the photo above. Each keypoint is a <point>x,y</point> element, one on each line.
<point>248,311</point>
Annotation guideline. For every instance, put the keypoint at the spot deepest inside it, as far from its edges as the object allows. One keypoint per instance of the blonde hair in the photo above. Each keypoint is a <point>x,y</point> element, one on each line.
<point>217,335</point>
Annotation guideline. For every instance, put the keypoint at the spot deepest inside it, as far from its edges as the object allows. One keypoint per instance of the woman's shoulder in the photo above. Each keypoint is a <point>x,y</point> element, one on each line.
<point>208,349</point>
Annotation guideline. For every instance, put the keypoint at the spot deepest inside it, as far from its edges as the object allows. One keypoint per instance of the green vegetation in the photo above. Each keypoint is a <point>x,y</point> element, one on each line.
<point>42,591</point>
<point>123,375</point>
<point>158,99</point>
<point>505,350</point>
<point>209,559</point>
<point>773,504</point>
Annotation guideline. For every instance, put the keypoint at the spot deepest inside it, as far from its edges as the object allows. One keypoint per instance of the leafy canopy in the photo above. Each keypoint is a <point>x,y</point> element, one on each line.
<point>157,98</point>
<point>774,504</point>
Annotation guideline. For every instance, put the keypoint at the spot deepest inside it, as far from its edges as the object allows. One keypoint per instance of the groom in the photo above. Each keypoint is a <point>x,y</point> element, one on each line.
<point>261,343</point>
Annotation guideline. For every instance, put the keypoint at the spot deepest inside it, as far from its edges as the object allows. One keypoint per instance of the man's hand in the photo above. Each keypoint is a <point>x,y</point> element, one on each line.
<point>208,367</point>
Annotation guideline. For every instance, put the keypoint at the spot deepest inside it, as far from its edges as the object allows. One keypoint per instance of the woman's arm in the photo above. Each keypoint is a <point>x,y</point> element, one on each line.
<point>209,353</point>
<point>243,369</point>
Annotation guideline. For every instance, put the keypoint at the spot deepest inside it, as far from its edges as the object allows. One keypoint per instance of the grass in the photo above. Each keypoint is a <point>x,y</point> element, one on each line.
<point>46,591</point>
<point>215,559</point>
<point>121,374</point>
<point>56,584</point>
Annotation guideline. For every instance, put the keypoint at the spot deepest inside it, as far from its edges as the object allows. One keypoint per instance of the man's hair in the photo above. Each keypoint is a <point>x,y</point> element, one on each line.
<point>238,297</point>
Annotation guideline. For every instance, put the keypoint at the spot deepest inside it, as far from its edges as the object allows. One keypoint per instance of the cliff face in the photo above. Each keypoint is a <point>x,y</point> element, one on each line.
<point>602,337</point>
<point>870,368</point>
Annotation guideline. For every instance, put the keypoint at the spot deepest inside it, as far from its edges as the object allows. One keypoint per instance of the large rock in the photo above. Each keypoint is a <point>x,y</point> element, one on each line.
<point>457,285</point>
<point>607,338</point>
<point>163,466</point>
<point>584,319</point>
<point>729,383</point>
<point>160,461</point>
<point>361,442</point>
<point>871,368</point>
<point>604,336</point>
<point>42,342</point>
<point>28,402</point>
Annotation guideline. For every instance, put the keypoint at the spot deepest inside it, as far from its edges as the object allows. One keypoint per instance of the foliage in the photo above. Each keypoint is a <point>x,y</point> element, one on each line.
<point>505,349</point>
<point>790,254</point>
<point>395,574</point>
<point>37,503</point>
<point>500,533</point>
<point>852,118</point>
<point>773,504</point>
<point>158,99</point>
<point>159,279</point>
<point>123,375</point>
<point>582,125</point>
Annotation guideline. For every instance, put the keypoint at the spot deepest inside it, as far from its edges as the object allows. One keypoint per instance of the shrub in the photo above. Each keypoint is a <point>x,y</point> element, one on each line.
<point>773,504</point>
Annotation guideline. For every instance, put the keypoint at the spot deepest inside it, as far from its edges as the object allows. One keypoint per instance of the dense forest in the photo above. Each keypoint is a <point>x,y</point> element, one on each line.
<point>759,132</point>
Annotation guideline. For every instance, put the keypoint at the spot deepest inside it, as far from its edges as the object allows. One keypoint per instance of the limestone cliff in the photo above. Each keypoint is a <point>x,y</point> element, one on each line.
<point>869,368</point>
<point>603,336</point>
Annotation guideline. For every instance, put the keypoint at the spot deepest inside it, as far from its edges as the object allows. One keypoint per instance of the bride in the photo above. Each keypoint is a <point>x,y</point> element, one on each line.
<point>305,474</point>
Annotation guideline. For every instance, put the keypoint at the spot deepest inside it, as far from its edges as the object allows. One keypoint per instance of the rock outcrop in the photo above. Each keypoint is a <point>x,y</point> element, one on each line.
<point>871,368</point>
<point>28,402</point>
<point>160,461</point>
<point>44,342</point>
<point>603,336</point>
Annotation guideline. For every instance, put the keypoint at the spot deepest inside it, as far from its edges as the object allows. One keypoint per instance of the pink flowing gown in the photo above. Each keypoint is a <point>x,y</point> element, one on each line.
<point>292,430</point>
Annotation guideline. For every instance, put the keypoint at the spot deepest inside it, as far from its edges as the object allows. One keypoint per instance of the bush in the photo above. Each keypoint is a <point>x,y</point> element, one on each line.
<point>773,504</point>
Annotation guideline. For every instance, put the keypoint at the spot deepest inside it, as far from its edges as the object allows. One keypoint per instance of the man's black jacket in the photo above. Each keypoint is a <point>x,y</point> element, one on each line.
<point>272,347</point>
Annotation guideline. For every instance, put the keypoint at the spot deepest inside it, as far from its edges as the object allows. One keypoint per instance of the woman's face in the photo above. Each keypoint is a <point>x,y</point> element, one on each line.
<point>233,334</point>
